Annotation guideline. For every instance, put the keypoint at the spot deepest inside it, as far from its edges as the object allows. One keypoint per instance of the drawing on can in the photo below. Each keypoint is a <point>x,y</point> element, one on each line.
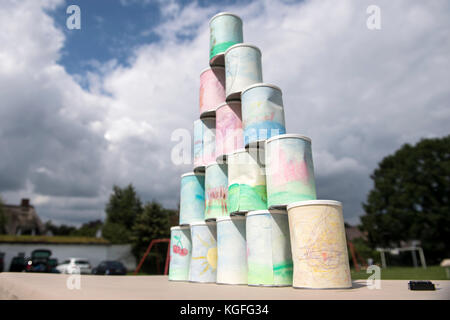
<point>231,249</point>
<point>319,245</point>
<point>262,112</point>
<point>229,134</point>
<point>216,190</point>
<point>242,69</point>
<point>268,248</point>
<point>192,198</point>
<point>212,90</point>
<point>289,170</point>
<point>225,31</point>
<point>180,253</point>
<point>246,182</point>
<point>204,252</point>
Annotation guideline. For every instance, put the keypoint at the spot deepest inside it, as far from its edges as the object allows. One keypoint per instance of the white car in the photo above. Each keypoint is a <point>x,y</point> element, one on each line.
<point>75,265</point>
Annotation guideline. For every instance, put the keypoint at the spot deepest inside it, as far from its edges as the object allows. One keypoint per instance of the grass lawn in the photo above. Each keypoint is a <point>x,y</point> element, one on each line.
<point>405,273</point>
<point>51,239</point>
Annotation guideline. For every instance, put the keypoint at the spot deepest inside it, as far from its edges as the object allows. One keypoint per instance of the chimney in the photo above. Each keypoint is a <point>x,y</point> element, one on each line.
<point>25,203</point>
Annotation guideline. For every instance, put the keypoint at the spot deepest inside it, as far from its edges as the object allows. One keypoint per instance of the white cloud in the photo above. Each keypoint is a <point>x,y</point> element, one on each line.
<point>359,94</point>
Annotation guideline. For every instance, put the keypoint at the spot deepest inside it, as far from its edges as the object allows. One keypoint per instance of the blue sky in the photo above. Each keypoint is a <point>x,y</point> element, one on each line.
<point>111,29</point>
<point>82,110</point>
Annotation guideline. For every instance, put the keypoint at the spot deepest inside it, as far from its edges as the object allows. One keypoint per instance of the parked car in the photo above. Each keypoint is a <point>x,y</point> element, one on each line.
<point>39,261</point>
<point>2,261</point>
<point>75,265</point>
<point>18,263</point>
<point>53,263</point>
<point>110,268</point>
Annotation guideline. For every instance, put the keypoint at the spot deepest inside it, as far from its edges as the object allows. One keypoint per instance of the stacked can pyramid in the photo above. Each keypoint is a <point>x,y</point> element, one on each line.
<point>248,210</point>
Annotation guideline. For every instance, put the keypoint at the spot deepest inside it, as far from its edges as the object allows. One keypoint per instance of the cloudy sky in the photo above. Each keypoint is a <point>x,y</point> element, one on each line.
<point>82,110</point>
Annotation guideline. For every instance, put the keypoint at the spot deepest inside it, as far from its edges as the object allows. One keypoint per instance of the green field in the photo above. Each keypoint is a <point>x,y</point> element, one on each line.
<point>405,273</point>
<point>52,239</point>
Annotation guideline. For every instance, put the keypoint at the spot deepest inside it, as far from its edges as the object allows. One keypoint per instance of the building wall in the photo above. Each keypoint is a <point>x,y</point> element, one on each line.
<point>95,253</point>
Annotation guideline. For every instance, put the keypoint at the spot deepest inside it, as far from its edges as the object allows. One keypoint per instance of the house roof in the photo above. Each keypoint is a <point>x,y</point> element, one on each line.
<point>23,217</point>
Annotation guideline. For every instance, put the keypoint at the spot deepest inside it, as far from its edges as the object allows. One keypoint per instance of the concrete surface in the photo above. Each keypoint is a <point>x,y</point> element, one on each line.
<point>54,286</point>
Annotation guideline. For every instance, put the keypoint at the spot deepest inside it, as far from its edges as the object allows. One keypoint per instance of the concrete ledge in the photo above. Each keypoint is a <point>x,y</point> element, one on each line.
<point>54,286</point>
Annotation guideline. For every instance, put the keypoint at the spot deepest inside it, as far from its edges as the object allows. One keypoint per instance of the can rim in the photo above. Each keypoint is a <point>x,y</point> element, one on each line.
<point>192,173</point>
<point>243,45</point>
<point>240,150</point>
<point>211,163</point>
<point>227,103</point>
<point>179,227</point>
<point>288,135</point>
<point>226,218</point>
<point>209,116</point>
<point>314,202</point>
<point>210,68</point>
<point>261,84</point>
<point>225,13</point>
<point>201,223</point>
<point>257,212</point>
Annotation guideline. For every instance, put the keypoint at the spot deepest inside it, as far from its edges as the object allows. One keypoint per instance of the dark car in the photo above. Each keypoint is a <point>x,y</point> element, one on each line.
<point>17,264</point>
<point>52,264</point>
<point>110,268</point>
<point>2,261</point>
<point>39,261</point>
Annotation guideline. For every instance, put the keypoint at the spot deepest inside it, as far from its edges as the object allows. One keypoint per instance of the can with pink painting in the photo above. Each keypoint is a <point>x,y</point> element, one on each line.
<point>212,90</point>
<point>289,170</point>
<point>229,134</point>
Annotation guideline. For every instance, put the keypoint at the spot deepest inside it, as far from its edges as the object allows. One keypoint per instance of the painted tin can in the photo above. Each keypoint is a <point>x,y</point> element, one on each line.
<point>268,248</point>
<point>192,198</point>
<point>262,112</point>
<point>246,181</point>
<point>199,165</point>
<point>180,253</point>
<point>216,190</point>
<point>319,246</point>
<point>212,90</point>
<point>204,142</point>
<point>209,140</point>
<point>229,133</point>
<point>225,31</point>
<point>242,69</point>
<point>289,170</point>
<point>203,267</point>
<point>231,250</point>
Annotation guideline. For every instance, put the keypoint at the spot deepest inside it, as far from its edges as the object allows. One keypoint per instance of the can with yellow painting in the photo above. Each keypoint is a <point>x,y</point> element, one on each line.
<point>203,267</point>
<point>319,246</point>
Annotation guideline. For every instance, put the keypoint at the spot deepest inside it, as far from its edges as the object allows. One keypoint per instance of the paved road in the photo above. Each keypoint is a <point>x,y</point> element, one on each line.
<point>54,286</point>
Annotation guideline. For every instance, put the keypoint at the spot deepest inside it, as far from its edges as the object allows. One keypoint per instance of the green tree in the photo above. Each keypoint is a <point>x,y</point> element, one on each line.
<point>88,229</point>
<point>61,230</point>
<point>410,198</point>
<point>2,218</point>
<point>152,223</point>
<point>123,208</point>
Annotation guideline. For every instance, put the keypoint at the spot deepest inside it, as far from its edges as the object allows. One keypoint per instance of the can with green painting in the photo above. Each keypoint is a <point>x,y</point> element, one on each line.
<point>225,31</point>
<point>269,255</point>
<point>246,181</point>
<point>289,170</point>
